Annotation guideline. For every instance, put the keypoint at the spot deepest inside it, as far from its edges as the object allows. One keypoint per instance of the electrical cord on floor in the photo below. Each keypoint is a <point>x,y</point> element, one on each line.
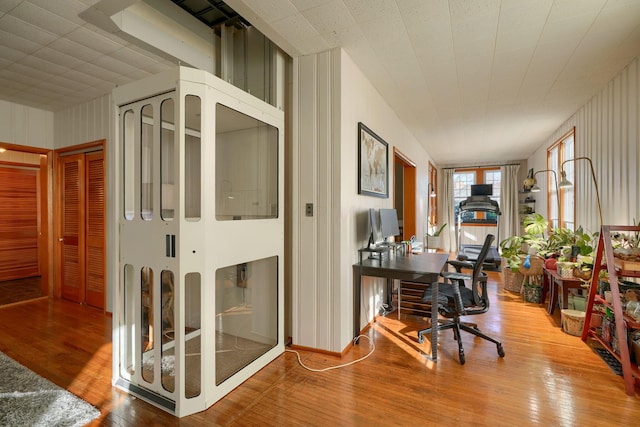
<point>373,347</point>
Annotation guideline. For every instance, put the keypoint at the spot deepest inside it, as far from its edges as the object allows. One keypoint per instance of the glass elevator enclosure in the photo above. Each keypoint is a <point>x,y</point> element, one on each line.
<point>200,231</point>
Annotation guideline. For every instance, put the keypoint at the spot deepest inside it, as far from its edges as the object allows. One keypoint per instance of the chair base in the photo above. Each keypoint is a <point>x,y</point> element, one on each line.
<point>457,325</point>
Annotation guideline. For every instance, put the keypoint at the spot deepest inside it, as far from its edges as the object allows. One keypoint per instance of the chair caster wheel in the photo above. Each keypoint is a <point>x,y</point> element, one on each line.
<point>500,350</point>
<point>462,358</point>
<point>420,338</point>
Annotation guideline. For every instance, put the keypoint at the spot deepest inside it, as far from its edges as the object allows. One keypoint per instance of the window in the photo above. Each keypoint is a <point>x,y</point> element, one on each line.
<point>560,151</point>
<point>463,179</point>
<point>432,197</point>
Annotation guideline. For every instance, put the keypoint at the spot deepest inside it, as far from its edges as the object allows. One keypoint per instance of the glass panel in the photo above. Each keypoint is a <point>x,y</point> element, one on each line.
<point>246,314</point>
<point>167,201</point>
<point>493,177</point>
<point>246,167</point>
<point>128,162</point>
<point>127,328</point>
<point>192,153</point>
<point>167,370</point>
<point>146,162</point>
<point>462,182</point>
<point>552,183</point>
<point>568,199</point>
<point>192,316</point>
<point>146,323</point>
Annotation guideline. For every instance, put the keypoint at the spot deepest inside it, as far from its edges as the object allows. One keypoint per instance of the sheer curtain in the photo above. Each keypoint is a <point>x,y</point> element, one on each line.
<point>448,239</point>
<point>509,220</point>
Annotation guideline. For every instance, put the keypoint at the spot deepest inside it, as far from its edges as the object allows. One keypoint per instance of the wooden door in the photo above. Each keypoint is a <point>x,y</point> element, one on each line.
<point>82,226</point>
<point>72,227</point>
<point>95,230</point>
<point>19,219</point>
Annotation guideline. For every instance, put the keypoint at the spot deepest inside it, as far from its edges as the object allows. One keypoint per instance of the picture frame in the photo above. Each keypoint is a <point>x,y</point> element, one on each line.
<point>373,163</point>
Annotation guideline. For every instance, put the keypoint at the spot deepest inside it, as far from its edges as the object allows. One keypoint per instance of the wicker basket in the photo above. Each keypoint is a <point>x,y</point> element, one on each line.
<point>512,280</point>
<point>565,269</point>
<point>535,269</point>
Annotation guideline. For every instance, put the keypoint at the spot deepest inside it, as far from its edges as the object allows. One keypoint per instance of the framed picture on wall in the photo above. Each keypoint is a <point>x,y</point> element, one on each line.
<point>373,163</point>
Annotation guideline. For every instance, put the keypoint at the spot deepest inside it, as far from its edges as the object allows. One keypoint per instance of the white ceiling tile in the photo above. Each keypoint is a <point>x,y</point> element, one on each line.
<point>71,84</point>
<point>113,64</point>
<point>367,10</point>
<point>18,27</point>
<point>96,71</point>
<point>93,41</point>
<point>329,17</point>
<point>67,9</point>
<point>71,48</point>
<point>18,43</point>
<point>269,10</point>
<point>8,5</point>
<point>37,63</point>
<point>56,57</point>
<point>296,28</point>
<point>30,72</point>
<point>10,54</point>
<point>42,18</point>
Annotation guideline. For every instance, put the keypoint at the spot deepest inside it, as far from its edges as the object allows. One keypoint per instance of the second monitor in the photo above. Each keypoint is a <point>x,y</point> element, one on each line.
<point>389,223</point>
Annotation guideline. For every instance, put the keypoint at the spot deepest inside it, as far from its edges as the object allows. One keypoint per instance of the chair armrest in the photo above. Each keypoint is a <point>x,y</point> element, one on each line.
<point>459,265</point>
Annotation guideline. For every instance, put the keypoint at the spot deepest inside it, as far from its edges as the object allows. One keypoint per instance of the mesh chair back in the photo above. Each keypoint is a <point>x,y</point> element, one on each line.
<point>476,283</point>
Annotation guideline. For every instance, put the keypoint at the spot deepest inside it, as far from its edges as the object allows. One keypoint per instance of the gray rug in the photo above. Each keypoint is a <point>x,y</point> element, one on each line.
<point>26,399</point>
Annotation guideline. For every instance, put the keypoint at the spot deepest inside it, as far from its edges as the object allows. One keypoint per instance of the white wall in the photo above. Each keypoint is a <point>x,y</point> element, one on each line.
<point>607,131</point>
<point>24,125</point>
<point>93,121</point>
<point>331,95</point>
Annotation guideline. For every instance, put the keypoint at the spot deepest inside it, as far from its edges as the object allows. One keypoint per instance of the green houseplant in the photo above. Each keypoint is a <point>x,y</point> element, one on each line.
<point>514,249</point>
<point>433,239</point>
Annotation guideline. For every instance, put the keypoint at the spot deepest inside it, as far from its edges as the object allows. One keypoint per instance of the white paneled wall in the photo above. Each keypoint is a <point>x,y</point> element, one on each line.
<point>331,95</point>
<point>608,132</point>
<point>83,123</point>
<point>24,125</point>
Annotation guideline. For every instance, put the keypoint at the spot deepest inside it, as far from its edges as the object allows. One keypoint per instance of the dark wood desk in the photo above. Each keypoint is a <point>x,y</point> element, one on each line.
<point>552,282</point>
<point>419,268</point>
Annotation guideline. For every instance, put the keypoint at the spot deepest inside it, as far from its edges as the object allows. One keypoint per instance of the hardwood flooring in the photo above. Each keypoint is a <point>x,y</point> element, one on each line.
<point>20,290</point>
<point>547,378</point>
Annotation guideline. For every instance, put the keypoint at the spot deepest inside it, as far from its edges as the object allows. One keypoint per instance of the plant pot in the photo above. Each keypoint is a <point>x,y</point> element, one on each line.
<point>433,242</point>
<point>512,280</point>
<point>532,294</point>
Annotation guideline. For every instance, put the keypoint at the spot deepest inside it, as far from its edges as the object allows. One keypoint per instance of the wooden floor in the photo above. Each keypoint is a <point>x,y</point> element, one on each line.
<point>548,378</point>
<point>19,290</point>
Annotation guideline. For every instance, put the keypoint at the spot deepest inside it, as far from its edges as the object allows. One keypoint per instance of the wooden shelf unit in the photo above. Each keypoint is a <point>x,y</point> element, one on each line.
<point>604,252</point>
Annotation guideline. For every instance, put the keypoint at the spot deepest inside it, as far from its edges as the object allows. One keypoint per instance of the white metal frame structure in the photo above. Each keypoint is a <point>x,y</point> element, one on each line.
<point>191,271</point>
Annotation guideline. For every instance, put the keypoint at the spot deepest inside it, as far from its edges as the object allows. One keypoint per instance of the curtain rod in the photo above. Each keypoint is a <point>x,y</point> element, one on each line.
<point>483,166</point>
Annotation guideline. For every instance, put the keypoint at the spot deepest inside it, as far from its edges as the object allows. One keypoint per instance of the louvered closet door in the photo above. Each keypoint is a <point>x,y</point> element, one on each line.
<point>96,260</point>
<point>19,223</point>
<point>72,227</point>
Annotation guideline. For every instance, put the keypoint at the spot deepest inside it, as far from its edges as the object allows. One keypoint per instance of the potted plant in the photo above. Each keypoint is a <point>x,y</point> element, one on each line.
<point>626,249</point>
<point>433,239</point>
<point>514,249</point>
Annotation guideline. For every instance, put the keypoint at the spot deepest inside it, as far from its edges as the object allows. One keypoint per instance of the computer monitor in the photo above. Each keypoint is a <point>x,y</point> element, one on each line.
<point>374,235</point>
<point>389,223</point>
<point>482,189</point>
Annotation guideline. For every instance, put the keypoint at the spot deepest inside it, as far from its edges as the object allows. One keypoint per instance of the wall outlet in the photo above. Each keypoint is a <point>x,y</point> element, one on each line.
<point>309,209</point>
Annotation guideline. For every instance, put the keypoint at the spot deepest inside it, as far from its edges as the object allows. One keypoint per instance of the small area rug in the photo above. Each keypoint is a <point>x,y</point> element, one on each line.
<point>610,360</point>
<point>26,399</point>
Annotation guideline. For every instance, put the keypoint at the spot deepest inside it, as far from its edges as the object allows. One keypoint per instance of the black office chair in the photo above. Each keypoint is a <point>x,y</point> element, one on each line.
<point>456,300</point>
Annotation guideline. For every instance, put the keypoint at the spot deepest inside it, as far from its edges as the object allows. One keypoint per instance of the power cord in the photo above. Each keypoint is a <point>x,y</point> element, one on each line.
<point>373,347</point>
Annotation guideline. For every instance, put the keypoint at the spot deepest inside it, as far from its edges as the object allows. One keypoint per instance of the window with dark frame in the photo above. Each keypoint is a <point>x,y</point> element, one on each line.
<point>463,179</point>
